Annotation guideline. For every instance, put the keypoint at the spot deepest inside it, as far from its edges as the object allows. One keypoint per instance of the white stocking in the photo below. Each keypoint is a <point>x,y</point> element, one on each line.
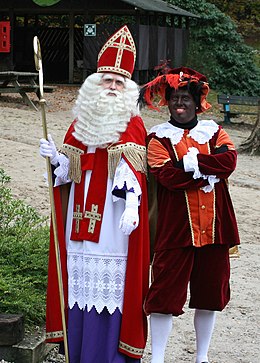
<point>161,326</point>
<point>204,322</point>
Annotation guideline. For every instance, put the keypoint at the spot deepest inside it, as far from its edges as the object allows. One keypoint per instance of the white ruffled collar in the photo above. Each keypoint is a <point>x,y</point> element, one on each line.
<point>201,133</point>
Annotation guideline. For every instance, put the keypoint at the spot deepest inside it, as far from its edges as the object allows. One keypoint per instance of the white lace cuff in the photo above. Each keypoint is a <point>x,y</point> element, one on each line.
<point>125,180</point>
<point>62,171</point>
<point>190,162</point>
<point>211,180</point>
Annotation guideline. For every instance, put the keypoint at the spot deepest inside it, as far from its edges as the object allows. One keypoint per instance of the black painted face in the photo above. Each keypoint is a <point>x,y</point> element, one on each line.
<point>182,106</point>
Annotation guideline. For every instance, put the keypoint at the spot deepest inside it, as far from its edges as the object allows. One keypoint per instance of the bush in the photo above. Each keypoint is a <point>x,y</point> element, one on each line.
<point>24,240</point>
<point>218,50</point>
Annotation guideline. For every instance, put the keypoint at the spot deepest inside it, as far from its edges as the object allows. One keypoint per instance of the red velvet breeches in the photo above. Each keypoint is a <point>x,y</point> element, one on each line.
<point>206,269</point>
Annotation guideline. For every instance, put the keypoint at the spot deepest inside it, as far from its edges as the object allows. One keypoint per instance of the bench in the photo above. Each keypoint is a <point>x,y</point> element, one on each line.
<point>227,100</point>
<point>25,88</point>
<point>22,83</point>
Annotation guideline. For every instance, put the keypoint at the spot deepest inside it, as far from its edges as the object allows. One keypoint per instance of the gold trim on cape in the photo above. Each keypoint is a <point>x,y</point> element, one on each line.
<point>136,154</point>
<point>73,153</point>
<point>54,334</point>
<point>128,348</point>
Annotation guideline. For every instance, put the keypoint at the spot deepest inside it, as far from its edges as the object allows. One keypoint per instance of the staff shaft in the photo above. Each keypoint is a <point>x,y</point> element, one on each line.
<point>38,65</point>
<point>55,234</point>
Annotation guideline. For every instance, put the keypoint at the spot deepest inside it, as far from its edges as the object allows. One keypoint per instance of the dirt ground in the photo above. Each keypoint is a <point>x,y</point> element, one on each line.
<point>236,337</point>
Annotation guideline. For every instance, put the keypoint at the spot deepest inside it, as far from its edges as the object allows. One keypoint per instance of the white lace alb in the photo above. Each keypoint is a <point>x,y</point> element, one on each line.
<point>101,284</point>
<point>97,270</point>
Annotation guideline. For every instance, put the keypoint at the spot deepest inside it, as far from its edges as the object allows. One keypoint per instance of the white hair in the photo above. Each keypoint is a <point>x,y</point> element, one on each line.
<point>101,118</point>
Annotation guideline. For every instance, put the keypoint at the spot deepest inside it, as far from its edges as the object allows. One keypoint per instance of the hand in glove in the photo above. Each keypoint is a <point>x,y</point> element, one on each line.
<point>130,218</point>
<point>190,160</point>
<point>48,149</point>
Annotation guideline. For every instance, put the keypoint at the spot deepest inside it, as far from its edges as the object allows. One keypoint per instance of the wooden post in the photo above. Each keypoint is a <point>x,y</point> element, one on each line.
<point>11,329</point>
<point>71,48</point>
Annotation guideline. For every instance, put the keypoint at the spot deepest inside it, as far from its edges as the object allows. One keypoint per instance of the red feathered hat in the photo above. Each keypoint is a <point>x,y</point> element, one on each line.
<point>118,54</point>
<point>175,78</point>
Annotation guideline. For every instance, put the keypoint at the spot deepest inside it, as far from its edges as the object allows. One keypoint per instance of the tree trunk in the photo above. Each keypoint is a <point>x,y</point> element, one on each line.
<point>252,144</point>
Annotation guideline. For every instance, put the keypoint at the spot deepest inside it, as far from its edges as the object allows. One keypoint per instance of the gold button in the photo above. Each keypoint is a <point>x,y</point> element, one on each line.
<point>188,135</point>
<point>203,231</point>
<point>203,207</point>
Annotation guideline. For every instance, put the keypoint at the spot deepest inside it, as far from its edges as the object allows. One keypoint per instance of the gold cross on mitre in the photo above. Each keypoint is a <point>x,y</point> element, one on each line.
<point>78,216</point>
<point>93,216</point>
<point>124,36</point>
<point>118,53</point>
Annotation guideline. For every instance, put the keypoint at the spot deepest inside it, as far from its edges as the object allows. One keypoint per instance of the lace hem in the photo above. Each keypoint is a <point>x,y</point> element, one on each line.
<point>96,281</point>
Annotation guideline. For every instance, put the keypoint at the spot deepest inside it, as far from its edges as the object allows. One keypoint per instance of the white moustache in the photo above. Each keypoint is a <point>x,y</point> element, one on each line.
<point>108,92</point>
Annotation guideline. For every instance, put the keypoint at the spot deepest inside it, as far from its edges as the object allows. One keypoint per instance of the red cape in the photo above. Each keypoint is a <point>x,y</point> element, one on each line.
<point>133,334</point>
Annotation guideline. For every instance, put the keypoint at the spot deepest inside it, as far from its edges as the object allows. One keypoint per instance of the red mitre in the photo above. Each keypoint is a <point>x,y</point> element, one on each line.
<point>118,54</point>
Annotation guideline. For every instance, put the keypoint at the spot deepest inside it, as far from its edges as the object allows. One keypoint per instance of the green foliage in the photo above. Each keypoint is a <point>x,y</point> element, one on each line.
<point>53,21</point>
<point>218,50</point>
<point>24,239</point>
<point>46,2</point>
<point>246,14</point>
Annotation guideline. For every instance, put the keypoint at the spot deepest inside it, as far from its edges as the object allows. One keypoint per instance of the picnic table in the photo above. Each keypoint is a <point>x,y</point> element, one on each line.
<point>22,83</point>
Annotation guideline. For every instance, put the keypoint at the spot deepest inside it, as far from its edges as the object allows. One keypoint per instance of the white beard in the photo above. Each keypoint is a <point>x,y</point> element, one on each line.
<point>102,118</point>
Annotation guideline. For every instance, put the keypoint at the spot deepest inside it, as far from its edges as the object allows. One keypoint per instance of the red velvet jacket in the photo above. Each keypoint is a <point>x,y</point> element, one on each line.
<point>186,214</point>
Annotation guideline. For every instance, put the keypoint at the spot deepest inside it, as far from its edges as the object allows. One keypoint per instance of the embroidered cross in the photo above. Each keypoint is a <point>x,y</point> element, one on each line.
<point>121,47</point>
<point>93,216</point>
<point>78,216</point>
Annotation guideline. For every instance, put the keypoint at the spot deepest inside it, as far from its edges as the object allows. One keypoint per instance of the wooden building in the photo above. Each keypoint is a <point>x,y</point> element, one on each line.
<point>71,33</point>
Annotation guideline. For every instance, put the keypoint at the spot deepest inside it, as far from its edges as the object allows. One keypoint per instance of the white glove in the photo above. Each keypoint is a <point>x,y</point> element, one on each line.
<point>190,160</point>
<point>48,149</point>
<point>130,218</point>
